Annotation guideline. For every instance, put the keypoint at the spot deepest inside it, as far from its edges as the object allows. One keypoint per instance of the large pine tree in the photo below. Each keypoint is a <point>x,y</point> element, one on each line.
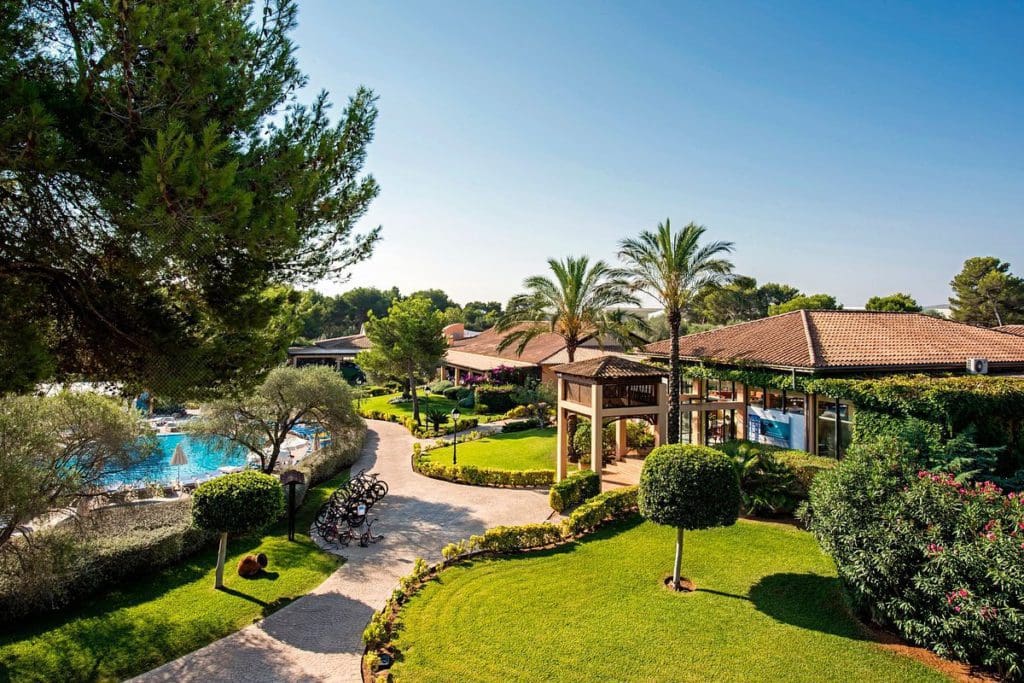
<point>162,187</point>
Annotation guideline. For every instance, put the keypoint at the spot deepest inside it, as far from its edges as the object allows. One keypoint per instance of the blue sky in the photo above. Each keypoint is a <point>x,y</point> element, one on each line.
<point>854,149</point>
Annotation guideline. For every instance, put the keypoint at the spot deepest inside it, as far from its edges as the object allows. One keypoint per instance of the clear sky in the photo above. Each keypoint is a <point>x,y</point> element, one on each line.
<point>848,148</point>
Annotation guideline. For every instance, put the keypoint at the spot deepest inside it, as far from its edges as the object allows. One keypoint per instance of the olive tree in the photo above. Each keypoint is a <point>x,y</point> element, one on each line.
<point>261,420</point>
<point>236,503</point>
<point>55,449</point>
<point>688,487</point>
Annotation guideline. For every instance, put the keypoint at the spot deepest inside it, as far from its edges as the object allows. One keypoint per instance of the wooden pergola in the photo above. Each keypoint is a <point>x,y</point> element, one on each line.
<point>608,388</point>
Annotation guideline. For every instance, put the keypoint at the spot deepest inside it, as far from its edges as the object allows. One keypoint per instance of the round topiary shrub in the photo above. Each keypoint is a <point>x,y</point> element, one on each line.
<point>236,503</point>
<point>688,487</point>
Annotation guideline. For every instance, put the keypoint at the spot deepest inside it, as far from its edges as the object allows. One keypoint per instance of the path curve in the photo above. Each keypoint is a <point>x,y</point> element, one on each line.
<point>318,637</point>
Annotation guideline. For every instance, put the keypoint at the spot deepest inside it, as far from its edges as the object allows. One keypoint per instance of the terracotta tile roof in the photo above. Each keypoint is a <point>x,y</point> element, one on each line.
<point>1012,329</point>
<point>850,340</point>
<point>351,343</point>
<point>542,349</point>
<point>610,367</point>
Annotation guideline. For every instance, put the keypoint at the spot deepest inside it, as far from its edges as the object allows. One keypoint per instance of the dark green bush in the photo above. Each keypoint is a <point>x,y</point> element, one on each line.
<point>574,489</point>
<point>455,393</point>
<point>804,466</point>
<point>940,561</point>
<point>520,425</point>
<point>498,399</point>
<point>239,502</point>
<point>581,440</point>
<point>689,487</point>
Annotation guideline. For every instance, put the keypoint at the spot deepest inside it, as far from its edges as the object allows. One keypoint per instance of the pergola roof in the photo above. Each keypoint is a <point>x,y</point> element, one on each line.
<point>610,368</point>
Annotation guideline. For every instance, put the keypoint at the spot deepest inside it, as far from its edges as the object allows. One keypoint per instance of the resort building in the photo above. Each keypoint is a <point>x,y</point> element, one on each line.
<point>480,355</point>
<point>336,351</point>
<point>821,344</point>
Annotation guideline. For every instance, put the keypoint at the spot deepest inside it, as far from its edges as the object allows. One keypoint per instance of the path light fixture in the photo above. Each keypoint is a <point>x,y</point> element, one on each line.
<point>455,436</point>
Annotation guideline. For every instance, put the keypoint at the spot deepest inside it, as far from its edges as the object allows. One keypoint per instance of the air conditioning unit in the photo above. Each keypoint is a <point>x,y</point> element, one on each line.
<point>977,366</point>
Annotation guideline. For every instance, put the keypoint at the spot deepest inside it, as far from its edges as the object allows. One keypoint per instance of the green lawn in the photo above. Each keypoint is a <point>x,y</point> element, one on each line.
<point>403,410</point>
<point>157,618</point>
<point>533,449</point>
<point>768,608</point>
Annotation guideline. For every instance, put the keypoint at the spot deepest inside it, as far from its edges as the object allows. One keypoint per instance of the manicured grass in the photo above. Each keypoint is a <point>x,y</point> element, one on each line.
<point>533,449</point>
<point>404,410</point>
<point>768,608</point>
<point>157,618</point>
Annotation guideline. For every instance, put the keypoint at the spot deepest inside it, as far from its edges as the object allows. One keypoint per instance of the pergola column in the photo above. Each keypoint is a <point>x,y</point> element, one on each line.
<point>661,422</point>
<point>621,440</point>
<point>596,429</point>
<point>562,447</point>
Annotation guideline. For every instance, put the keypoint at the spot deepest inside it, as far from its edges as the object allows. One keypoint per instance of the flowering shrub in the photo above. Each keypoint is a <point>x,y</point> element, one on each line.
<point>940,561</point>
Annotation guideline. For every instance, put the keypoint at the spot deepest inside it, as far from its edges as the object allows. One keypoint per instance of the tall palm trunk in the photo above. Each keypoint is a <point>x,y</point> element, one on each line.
<point>674,321</point>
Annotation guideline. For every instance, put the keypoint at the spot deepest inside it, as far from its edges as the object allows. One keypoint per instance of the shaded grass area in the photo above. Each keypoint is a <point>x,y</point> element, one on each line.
<point>768,608</point>
<point>157,618</point>
<point>532,449</point>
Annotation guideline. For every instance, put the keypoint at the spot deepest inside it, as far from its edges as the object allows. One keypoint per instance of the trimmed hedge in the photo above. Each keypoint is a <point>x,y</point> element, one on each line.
<point>520,426</point>
<point>594,513</point>
<point>574,489</point>
<point>482,476</point>
<point>67,564</point>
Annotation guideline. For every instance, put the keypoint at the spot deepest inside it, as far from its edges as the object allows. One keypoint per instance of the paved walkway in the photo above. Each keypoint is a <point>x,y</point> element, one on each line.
<point>319,636</point>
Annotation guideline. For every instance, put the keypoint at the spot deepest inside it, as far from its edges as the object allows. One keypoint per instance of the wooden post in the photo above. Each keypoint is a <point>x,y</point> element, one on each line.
<point>621,441</point>
<point>562,446</point>
<point>596,430</point>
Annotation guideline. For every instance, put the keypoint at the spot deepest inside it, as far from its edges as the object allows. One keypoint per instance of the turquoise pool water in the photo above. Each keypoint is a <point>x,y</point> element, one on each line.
<point>204,457</point>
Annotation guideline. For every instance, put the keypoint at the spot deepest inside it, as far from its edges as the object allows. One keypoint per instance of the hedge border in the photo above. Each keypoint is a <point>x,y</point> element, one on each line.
<point>500,541</point>
<point>470,475</point>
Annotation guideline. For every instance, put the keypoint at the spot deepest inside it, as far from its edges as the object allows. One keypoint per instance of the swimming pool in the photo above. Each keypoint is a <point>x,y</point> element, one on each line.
<point>204,457</point>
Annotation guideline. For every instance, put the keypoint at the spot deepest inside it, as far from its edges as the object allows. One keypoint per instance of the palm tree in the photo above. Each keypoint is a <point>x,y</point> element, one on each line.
<point>672,267</point>
<point>578,303</point>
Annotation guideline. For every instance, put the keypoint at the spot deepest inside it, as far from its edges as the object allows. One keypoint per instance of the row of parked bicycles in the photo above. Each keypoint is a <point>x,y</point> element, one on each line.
<point>345,516</point>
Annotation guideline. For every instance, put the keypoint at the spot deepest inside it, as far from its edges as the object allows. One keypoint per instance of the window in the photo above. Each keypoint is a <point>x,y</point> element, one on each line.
<point>719,426</point>
<point>686,427</point>
<point>756,396</point>
<point>719,390</point>
<point>773,399</point>
<point>834,437</point>
<point>794,403</point>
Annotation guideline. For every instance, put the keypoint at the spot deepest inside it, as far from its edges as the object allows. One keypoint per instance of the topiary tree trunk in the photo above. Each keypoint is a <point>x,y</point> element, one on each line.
<point>679,556</point>
<point>222,553</point>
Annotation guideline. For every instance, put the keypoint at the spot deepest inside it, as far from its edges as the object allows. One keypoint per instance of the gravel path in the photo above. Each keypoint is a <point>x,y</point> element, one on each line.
<point>319,636</point>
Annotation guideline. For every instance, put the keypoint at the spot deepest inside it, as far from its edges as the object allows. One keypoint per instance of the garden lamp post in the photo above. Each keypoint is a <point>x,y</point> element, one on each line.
<point>455,436</point>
